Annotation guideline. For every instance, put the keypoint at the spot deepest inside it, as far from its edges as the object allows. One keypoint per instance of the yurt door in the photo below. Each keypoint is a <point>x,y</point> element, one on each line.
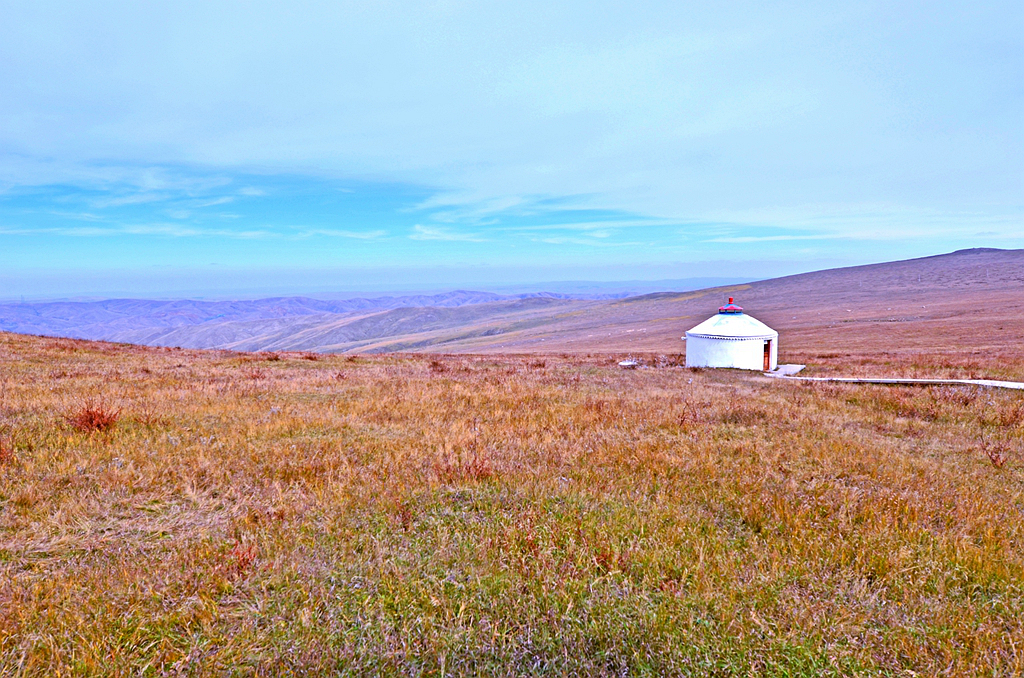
<point>767,355</point>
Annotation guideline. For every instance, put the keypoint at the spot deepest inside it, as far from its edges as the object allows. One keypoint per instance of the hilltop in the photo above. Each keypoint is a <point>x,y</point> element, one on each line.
<point>971,298</point>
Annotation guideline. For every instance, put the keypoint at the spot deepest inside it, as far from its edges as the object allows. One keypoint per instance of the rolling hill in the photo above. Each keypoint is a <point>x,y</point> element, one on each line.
<point>968,298</point>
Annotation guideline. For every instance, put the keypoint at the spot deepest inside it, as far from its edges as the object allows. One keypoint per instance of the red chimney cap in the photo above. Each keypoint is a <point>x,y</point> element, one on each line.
<point>730,308</point>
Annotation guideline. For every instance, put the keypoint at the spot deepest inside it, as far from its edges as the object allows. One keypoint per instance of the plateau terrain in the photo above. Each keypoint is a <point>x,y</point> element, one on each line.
<point>170,511</point>
<point>967,298</point>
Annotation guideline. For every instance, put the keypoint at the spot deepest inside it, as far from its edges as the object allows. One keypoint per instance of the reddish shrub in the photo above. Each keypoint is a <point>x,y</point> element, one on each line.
<point>405,516</point>
<point>94,418</point>
<point>6,452</point>
<point>996,452</point>
<point>239,560</point>
<point>454,468</point>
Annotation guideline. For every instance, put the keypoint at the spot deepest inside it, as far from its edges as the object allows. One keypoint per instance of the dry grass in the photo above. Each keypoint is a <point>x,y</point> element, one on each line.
<point>500,515</point>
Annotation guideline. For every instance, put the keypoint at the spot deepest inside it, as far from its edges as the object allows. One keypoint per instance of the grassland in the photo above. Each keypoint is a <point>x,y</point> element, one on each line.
<point>433,515</point>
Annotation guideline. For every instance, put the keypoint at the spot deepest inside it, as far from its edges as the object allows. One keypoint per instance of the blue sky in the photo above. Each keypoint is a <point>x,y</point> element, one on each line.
<point>259,148</point>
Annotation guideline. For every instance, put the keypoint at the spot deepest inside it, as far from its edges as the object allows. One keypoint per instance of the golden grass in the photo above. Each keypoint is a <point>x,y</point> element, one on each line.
<point>503,515</point>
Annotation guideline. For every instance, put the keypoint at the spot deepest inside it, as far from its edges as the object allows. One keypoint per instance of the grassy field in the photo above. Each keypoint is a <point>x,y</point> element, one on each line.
<point>177,512</point>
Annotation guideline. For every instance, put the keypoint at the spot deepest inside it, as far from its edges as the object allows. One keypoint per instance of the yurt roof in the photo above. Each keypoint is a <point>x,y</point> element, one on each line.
<point>733,325</point>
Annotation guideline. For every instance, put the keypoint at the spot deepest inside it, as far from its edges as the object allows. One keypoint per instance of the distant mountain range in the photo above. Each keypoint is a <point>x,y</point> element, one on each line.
<point>150,321</point>
<point>984,284</point>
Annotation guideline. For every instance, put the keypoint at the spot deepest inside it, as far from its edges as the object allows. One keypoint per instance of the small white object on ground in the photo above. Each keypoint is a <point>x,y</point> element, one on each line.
<point>785,370</point>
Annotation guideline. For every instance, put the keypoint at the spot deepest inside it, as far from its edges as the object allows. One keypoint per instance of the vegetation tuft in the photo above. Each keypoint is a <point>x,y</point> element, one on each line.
<point>94,417</point>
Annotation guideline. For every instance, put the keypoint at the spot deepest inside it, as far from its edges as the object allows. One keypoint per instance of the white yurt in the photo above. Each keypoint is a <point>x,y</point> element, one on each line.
<point>732,339</point>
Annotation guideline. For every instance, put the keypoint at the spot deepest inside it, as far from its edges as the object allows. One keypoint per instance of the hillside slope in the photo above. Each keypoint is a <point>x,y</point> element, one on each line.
<point>971,298</point>
<point>146,320</point>
<point>968,298</point>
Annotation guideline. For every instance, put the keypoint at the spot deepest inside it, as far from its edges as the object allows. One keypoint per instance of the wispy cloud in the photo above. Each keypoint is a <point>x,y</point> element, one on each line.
<point>421,232</point>
<point>338,233</point>
<point>176,230</point>
<point>181,231</point>
<point>773,238</point>
<point>574,240</point>
<point>154,229</point>
<point>78,216</point>
<point>460,207</point>
<point>133,199</point>
<point>861,222</point>
<point>592,226</point>
<point>216,201</point>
